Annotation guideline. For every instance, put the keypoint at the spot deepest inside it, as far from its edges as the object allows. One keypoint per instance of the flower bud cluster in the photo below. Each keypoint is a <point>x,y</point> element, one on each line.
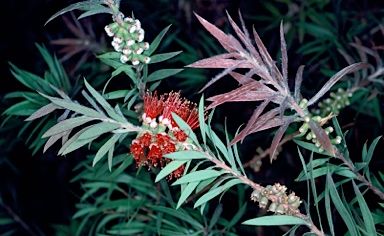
<point>337,101</point>
<point>309,134</point>
<point>278,200</point>
<point>128,39</point>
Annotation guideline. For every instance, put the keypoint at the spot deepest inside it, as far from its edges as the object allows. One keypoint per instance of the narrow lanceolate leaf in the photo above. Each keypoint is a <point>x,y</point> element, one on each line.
<point>169,168</point>
<point>298,81</point>
<point>248,92</point>
<point>45,110</point>
<point>323,137</point>
<point>163,57</point>
<point>275,220</point>
<point>284,56</point>
<point>367,215</point>
<point>107,107</point>
<point>161,74</point>
<point>255,117</point>
<point>266,57</point>
<point>98,129</point>
<point>217,33</point>
<point>186,155</point>
<point>242,79</point>
<point>244,37</point>
<point>220,63</point>
<point>53,139</point>
<point>216,191</point>
<point>186,192</point>
<point>70,105</point>
<point>67,125</point>
<point>75,6</point>
<point>279,134</point>
<point>367,158</point>
<point>347,218</point>
<point>156,42</point>
<point>105,148</point>
<point>334,79</point>
<point>198,176</point>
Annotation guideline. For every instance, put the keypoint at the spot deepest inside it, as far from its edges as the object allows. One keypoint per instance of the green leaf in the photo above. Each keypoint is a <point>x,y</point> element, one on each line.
<point>84,211</point>
<point>198,176</point>
<point>74,142</point>
<point>180,214</point>
<point>161,74</point>
<point>107,107</point>
<point>367,159</point>
<point>186,155</point>
<point>105,148</point>
<point>213,192</point>
<point>340,207</point>
<point>340,170</point>
<point>99,129</point>
<point>66,125</point>
<point>169,168</point>
<point>75,6</point>
<point>367,216</point>
<point>24,108</point>
<point>185,128</point>
<point>311,147</point>
<point>43,111</point>
<point>186,192</point>
<point>93,10</point>
<point>275,220</point>
<point>76,107</point>
<point>202,119</point>
<point>157,41</point>
<point>163,57</point>
<point>328,209</point>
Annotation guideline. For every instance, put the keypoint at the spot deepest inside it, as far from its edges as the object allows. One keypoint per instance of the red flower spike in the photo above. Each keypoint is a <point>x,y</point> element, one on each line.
<point>169,148</point>
<point>152,107</point>
<point>162,139</point>
<point>155,154</point>
<point>137,150</point>
<point>179,135</point>
<point>176,173</point>
<point>171,104</point>
<point>146,138</point>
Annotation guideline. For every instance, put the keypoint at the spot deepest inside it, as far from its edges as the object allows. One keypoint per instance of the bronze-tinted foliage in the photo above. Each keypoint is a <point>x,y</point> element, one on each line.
<point>263,82</point>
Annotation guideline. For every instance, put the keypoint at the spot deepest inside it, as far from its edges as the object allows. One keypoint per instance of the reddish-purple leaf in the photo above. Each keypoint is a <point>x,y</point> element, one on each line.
<point>217,33</point>
<point>334,79</point>
<point>222,74</point>
<point>45,110</point>
<point>298,81</point>
<point>278,136</point>
<point>284,56</point>
<point>266,57</point>
<point>266,121</point>
<point>53,139</point>
<point>322,136</point>
<point>244,38</point>
<point>239,77</point>
<point>214,62</point>
<point>237,95</point>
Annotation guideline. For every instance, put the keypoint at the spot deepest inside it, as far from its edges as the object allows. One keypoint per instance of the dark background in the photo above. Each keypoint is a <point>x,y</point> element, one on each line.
<point>37,188</point>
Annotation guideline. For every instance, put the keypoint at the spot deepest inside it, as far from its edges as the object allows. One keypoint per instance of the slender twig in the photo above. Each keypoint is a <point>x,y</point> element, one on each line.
<point>258,187</point>
<point>18,219</point>
<point>360,176</point>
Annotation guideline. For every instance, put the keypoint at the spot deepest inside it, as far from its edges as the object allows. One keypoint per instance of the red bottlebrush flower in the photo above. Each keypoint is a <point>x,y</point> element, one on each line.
<point>162,138</point>
<point>172,103</point>
<point>155,154</point>
<point>176,173</point>
<point>137,150</point>
<point>169,148</point>
<point>152,108</point>
<point>179,135</point>
<point>146,138</point>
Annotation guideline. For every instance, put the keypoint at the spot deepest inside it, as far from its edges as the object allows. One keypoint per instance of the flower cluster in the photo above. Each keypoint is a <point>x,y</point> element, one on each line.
<point>128,39</point>
<point>281,203</point>
<point>161,135</point>
<point>310,136</point>
<point>337,101</point>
